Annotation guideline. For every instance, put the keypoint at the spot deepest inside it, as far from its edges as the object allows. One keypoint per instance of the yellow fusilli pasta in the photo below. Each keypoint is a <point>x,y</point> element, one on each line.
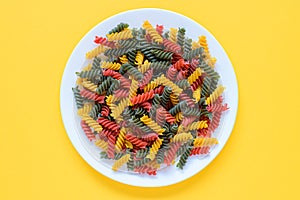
<point>117,110</point>
<point>92,123</point>
<point>167,82</point>
<point>154,148</point>
<point>152,32</point>
<point>109,101</point>
<point>203,43</point>
<point>196,125</point>
<point>120,140</point>
<point>123,35</point>
<point>153,84</point>
<point>124,159</point>
<point>133,88</point>
<point>194,76</point>
<point>89,85</point>
<point>174,99</point>
<point>213,97</point>
<point>111,65</point>
<point>197,94</point>
<point>179,116</point>
<point>205,142</point>
<point>123,59</point>
<point>144,67</point>
<point>139,58</point>
<point>128,144</point>
<point>182,137</point>
<point>152,124</point>
<point>95,52</point>
<point>173,35</point>
<point>87,107</point>
<point>102,144</point>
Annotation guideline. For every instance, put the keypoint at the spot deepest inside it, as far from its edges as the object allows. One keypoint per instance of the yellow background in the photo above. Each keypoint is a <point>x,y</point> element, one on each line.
<point>261,159</point>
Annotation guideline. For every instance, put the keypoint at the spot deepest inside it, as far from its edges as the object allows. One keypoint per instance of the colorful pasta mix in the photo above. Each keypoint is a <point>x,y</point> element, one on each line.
<point>149,98</point>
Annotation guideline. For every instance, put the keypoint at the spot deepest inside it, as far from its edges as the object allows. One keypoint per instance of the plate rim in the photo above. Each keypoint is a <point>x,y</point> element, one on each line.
<point>83,152</point>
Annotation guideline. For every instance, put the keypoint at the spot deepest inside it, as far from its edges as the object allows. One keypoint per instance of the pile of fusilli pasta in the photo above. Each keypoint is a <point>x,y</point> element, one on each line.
<point>149,96</point>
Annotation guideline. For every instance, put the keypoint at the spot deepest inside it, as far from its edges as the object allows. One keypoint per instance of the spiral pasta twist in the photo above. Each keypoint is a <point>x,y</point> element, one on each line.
<point>142,97</point>
<point>197,125</point>
<point>194,53</point>
<point>128,144</point>
<point>173,35</point>
<point>123,59</point>
<point>123,35</point>
<point>110,125</point>
<point>139,58</point>
<point>95,52</point>
<point>152,32</point>
<point>144,67</point>
<point>214,122</point>
<point>183,84</point>
<point>160,65</point>
<point>167,82</point>
<point>180,37</point>
<point>111,65</point>
<point>174,99</point>
<point>133,88</point>
<point>187,48</point>
<point>203,43</point>
<point>146,79</point>
<point>150,86</point>
<point>145,169</point>
<point>104,85</point>
<point>117,110</point>
<point>197,94</point>
<point>171,73</point>
<point>200,150</point>
<point>171,153</point>
<point>92,96</point>
<point>89,85</point>
<point>216,107</point>
<point>171,46</point>
<point>209,71</point>
<point>120,27</point>
<point>152,124</point>
<point>154,149</point>
<point>194,76</point>
<point>87,107</point>
<point>92,123</point>
<point>142,153</point>
<point>150,137</point>
<point>101,144</point>
<point>124,159</point>
<point>182,137</point>
<point>165,97</point>
<point>135,141</point>
<point>113,74</point>
<point>204,142</point>
<point>184,157</point>
<point>91,74</point>
<point>213,97</point>
<point>78,97</point>
<point>164,55</point>
<point>87,131</point>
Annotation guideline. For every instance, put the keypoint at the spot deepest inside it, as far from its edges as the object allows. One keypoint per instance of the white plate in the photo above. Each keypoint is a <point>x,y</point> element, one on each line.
<point>135,18</point>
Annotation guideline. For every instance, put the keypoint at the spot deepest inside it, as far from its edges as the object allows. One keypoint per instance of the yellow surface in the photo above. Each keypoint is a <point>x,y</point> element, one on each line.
<point>261,159</point>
